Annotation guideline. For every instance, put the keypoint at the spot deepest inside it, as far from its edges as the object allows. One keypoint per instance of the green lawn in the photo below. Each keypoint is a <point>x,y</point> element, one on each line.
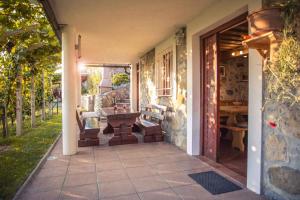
<point>19,155</point>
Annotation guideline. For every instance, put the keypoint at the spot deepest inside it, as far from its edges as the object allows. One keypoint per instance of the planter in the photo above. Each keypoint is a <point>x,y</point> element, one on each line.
<point>265,20</point>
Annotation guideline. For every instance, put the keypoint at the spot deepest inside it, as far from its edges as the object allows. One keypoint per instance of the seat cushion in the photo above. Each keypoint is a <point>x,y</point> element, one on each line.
<point>146,123</point>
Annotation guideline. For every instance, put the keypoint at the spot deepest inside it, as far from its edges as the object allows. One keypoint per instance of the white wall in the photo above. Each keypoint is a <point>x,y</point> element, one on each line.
<point>215,15</point>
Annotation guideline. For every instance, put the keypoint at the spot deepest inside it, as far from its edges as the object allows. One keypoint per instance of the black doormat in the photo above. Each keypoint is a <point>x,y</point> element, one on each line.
<point>214,183</point>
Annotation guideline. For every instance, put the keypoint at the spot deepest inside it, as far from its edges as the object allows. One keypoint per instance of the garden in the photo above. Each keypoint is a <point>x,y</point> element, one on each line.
<point>29,91</point>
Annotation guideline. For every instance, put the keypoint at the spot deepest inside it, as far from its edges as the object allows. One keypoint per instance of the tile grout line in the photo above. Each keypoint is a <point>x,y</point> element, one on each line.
<point>61,189</point>
<point>129,179</point>
<point>97,180</point>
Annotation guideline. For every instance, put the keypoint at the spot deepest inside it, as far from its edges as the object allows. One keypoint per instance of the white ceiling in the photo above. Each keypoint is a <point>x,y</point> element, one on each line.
<point>119,31</point>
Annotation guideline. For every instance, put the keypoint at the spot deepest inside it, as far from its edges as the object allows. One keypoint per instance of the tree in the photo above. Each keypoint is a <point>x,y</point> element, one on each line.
<point>119,79</point>
<point>27,42</point>
<point>93,81</point>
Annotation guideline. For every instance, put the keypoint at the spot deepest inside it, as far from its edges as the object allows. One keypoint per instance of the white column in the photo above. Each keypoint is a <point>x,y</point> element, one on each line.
<point>133,88</point>
<point>105,84</point>
<point>193,95</point>
<point>78,85</point>
<point>254,163</point>
<point>68,91</point>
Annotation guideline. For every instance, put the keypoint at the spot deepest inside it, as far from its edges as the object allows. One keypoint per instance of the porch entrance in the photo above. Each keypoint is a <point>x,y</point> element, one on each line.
<point>224,71</point>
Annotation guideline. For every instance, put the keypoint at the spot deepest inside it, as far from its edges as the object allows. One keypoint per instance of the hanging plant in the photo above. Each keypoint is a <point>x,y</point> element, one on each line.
<point>284,70</point>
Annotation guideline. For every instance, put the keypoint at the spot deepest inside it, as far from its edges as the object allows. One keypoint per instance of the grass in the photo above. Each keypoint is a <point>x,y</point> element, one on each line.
<point>20,154</point>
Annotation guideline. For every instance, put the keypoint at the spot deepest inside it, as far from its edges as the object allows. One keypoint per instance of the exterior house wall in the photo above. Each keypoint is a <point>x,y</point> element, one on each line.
<point>281,146</point>
<point>175,123</point>
<point>216,14</point>
<point>273,154</point>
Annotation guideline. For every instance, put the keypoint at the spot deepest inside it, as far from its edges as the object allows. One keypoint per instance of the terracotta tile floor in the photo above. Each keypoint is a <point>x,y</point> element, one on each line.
<point>157,171</point>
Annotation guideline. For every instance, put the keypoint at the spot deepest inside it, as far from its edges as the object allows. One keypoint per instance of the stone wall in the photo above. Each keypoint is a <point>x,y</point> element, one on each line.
<point>281,147</point>
<point>281,152</point>
<point>106,99</point>
<point>233,86</point>
<point>175,123</point>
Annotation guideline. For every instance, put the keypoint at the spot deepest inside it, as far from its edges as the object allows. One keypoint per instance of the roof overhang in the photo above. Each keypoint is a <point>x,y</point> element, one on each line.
<point>120,31</point>
<point>51,17</point>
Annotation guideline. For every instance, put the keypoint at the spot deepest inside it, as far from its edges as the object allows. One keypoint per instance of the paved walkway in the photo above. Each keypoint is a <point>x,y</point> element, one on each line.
<point>157,171</point>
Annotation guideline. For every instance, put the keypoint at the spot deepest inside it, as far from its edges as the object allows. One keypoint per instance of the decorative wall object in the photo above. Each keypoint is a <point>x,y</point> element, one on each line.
<point>222,71</point>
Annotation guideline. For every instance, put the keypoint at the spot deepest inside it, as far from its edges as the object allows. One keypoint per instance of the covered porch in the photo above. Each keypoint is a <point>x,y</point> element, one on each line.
<point>146,35</point>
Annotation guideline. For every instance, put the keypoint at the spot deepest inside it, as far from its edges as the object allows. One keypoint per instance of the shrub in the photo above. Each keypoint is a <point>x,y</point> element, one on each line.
<point>120,79</point>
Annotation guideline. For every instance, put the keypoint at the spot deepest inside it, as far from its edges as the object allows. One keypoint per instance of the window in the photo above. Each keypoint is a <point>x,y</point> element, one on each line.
<point>164,73</point>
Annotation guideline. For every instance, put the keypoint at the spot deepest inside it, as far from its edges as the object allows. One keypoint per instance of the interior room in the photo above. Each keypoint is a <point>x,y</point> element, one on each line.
<point>233,73</point>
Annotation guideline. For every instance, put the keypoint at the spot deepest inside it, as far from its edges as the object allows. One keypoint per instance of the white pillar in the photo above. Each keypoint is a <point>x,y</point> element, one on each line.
<point>133,88</point>
<point>78,85</point>
<point>193,95</point>
<point>105,85</point>
<point>254,163</point>
<point>68,92</point>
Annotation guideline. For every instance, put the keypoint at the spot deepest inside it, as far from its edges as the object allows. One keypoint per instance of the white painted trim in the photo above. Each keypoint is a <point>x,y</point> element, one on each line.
<point>169,43</point>
<point>215,15</point>
<point>133,86</point>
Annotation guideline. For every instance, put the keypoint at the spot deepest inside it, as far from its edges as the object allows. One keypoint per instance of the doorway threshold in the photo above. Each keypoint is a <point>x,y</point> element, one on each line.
<point>242,180</point>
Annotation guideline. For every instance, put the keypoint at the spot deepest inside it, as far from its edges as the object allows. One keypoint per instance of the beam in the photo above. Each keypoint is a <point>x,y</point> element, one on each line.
<point>233,38</point>
<point>51,18</point>
<point>230,42</point>
<point>232,33</point>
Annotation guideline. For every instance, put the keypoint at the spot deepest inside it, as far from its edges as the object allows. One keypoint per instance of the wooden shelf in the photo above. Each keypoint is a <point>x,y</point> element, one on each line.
<point>263,42</point>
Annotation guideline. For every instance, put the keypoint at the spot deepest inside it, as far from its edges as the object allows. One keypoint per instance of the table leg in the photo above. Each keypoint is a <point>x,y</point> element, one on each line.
<point>116,139</point>
<point>108,129</point>
<point>238,140</point>
<point>231,119</point>
<point>123,135</point>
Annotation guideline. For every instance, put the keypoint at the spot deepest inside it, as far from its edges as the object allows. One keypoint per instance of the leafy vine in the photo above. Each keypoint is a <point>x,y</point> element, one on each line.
<point>284,69</point>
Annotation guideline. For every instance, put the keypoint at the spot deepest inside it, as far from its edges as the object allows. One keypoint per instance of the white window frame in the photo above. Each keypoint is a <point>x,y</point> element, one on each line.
<point>168,46</point>
<point>164,71</point>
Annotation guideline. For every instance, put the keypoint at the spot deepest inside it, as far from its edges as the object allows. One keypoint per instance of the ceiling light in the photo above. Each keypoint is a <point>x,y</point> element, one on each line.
<point>233,54</point>
<point>241,52</point>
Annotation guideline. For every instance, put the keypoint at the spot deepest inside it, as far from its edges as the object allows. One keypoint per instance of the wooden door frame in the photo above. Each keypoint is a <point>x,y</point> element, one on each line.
<point>237,20</point>
<point>202,91</point>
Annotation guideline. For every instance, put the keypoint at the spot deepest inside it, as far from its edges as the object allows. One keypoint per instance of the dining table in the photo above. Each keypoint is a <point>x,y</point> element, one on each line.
<point>238,129</point>
<point>119,123</point>
<point>232,111</point>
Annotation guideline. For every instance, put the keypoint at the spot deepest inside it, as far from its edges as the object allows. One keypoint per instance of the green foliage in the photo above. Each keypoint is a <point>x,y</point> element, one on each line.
<point>93,81</point>
<point>284,76</point>
<point>84,90</point>
<point>285,73</point>
<point>27,40</point>
<point>20,155</point>
<point>119,79</point>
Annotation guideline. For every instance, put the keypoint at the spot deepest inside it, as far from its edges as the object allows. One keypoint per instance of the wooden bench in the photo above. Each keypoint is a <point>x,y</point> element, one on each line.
<point>89,130</point>
<point>238,134</point>
<point>149,123</point>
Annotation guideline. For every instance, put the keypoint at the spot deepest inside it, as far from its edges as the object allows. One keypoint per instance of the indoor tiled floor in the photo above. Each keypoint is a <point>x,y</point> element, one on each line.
<point>157,171</point>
